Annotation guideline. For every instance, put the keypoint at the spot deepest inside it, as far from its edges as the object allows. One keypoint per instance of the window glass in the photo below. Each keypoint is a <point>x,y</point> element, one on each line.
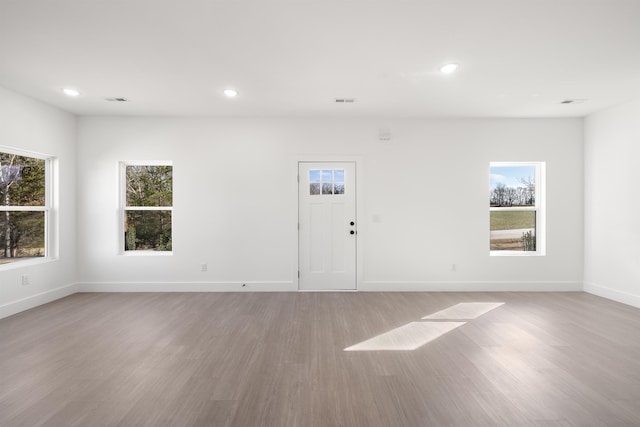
<point>149,185</point>
<point>23,207</point>
<point>515,208</point>
<point>513,231</point>
<point>148,195</point>
<point>326,181</point>
<point>148,230</point>
<point>513,186</point>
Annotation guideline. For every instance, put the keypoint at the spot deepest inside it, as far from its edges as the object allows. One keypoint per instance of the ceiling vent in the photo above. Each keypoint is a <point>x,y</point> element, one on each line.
<point>574,101</point>
<point>345,100</point>
<point>384,135</point>
<point>116,99</point>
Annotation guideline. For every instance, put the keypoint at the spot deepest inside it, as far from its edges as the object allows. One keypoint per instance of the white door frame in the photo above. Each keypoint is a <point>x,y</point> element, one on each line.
<point>362,227</point>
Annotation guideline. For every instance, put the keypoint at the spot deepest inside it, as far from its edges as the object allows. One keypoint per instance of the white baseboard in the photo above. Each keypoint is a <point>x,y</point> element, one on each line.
<point>612,294</point>
<point>32,301</point>
<point>187,287</point>
<point>472,286</point>
<point>367,286</point>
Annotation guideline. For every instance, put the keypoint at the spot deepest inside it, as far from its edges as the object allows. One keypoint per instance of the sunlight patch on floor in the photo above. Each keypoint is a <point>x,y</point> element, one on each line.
<point>464,311</point>
<point>416,334</point>
<point>407,337</point>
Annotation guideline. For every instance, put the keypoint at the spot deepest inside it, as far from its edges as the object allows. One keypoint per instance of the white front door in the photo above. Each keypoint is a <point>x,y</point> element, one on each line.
<point>327,225</point>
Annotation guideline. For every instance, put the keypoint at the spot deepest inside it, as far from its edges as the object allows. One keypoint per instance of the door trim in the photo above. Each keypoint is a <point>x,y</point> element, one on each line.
<point>362,227</point>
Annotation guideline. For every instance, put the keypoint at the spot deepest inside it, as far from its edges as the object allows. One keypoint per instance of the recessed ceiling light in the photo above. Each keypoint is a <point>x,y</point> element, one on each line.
<point>231,93</point>
<point>449,68</point>
<point>70,92</point>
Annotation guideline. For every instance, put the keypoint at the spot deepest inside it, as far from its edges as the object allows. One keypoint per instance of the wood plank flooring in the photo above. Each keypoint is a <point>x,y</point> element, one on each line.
<point>278,359</point>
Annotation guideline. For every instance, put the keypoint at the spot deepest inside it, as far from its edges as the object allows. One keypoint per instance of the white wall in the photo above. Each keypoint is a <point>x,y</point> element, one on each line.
<point>30,125</point>
<point>235,201</point>
<point>612,203</point>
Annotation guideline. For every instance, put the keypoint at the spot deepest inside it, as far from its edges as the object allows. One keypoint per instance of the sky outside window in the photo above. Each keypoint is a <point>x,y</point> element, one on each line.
<point>510,176</point>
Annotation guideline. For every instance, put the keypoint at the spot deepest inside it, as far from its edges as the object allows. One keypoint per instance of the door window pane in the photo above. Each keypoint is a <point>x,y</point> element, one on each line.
<point>314,176</point>
<point>326,181</point>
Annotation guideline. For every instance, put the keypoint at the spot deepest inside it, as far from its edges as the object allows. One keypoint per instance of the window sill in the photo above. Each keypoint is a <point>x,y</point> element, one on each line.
<point>26,263</point>
<point>516,253</point>
<point>147,253</point>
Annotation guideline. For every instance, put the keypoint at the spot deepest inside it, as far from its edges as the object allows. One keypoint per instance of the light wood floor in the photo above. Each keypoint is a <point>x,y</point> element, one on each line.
<point>277,359</point>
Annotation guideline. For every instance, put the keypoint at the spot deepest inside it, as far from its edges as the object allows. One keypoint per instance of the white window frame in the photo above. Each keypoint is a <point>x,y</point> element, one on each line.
<point>539,208</point>
<point>124,208</point>
<point>49,224</point>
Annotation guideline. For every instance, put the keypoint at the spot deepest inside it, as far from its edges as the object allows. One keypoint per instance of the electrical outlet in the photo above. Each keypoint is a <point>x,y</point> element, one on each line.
<point>25,280</point>
<point>204,267</point>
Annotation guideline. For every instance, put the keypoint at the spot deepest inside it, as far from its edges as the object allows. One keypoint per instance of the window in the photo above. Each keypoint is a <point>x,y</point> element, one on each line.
<point>516,200</point>
<point>148,205</point>
<point>326,181</point>
<point>24,206</point>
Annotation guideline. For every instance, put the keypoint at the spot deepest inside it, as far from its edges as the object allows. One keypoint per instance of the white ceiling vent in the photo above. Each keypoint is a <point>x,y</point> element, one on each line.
<point>384,135</point>
<point>345,100</point>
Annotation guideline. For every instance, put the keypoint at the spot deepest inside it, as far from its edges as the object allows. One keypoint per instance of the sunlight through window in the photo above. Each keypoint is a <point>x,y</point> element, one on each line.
<point>416,334</point>
<point>408,337</point>
<point>464,311</point>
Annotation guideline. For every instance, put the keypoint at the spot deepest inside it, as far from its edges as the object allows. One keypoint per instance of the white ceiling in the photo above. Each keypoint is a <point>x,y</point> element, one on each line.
<point>518,58</point>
